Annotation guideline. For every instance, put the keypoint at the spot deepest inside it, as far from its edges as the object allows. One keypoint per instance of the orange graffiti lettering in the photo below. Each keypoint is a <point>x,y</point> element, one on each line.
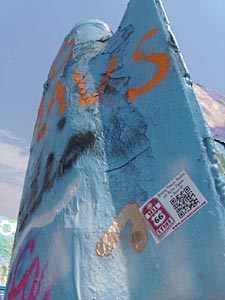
<point>85,99</point>
<point>57,94</point>
<point>160,59</point>
<point>55,71</point>
<point>41,131</point>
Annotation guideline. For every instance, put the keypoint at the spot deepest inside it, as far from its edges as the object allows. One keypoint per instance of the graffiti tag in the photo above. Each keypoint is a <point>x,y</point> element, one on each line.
<point>79,142</point>
<point>29,285</point>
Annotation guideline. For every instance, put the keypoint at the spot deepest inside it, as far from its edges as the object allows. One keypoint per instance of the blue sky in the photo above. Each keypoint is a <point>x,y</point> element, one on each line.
<point>31,33</point>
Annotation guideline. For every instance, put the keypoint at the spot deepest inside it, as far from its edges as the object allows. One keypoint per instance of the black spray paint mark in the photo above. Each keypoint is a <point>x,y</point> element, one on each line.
<point>61,124</point>
<point>76,146</point>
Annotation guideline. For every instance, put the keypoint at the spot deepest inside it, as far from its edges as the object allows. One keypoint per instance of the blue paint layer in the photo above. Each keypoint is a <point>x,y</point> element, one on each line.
<point>90,161</point>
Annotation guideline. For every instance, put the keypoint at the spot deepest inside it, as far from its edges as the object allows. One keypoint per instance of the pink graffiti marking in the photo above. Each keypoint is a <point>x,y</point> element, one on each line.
<point>21,291</point>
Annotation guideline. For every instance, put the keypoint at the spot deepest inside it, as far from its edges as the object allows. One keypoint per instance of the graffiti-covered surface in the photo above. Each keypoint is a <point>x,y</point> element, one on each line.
<point>7,234</point>
<point>117,123</point>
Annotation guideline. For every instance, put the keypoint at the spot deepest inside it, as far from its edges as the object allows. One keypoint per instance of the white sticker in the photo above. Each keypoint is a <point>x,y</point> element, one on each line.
<point>178,201</point>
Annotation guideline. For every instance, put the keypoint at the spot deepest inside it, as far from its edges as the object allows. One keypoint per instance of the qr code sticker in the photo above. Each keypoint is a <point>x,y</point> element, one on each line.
<point>184,202</point>
<point>172,206</point>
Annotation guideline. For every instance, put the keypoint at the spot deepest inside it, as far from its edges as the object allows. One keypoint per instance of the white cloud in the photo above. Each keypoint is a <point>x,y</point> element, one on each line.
<point>10,196</point>
<point>9,135</point>
<point>13,164</point>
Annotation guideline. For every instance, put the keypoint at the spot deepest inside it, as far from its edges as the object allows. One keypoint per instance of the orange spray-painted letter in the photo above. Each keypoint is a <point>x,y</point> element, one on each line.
<point>41,131</point>
<point>57,94</point>
<point>55,71</point>
<point>85,99</point>
<point>160,59</point>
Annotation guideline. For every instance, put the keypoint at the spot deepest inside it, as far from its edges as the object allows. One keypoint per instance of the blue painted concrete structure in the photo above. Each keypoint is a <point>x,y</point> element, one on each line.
<point>97,148</point>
